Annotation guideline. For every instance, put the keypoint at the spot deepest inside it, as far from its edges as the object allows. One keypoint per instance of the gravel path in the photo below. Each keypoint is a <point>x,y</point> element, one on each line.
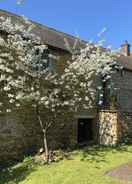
<point>123,172</point>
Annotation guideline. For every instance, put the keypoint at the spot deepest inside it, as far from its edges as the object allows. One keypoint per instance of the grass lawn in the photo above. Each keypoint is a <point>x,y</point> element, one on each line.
<point>84,166</point>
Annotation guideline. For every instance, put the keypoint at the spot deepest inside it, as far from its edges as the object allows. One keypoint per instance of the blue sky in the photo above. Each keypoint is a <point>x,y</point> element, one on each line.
<point>85,18</point>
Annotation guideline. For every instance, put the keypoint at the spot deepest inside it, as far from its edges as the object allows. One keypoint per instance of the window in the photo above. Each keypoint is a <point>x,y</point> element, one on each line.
<point>41,60</point>
<point>45,60</point>
<point>107,95</point>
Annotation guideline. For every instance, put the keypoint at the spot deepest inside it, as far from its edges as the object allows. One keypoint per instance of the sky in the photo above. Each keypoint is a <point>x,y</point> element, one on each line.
<point>83,18</point>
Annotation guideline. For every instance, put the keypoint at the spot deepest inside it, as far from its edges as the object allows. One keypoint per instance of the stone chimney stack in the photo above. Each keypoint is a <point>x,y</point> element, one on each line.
<point>125,49</point>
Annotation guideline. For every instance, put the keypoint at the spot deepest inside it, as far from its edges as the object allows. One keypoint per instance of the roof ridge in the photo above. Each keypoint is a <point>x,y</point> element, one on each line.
<point>43,26</point>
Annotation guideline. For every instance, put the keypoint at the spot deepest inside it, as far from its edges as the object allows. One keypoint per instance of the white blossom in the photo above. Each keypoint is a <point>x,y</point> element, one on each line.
<point>11,100</point>
<point>18,105</point>
<point>8,110</point>
<point>6,88</point>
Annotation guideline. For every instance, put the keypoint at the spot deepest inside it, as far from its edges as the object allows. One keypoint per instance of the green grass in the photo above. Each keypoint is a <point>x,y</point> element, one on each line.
<point>85,166</point>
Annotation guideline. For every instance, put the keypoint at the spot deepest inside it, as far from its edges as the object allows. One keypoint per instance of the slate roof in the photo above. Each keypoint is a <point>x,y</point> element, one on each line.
<point>56,38</point>
<point>48,35</point>
<point>126,62</point>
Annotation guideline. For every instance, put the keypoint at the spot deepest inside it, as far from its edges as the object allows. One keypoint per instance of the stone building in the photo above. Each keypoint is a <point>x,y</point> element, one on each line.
<point>107,125</point>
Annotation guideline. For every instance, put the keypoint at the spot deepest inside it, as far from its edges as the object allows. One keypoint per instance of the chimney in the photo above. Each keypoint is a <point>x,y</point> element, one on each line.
<point>125,49</point>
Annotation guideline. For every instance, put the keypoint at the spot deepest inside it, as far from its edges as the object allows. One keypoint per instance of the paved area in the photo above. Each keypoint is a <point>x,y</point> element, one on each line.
<point>123,172</point>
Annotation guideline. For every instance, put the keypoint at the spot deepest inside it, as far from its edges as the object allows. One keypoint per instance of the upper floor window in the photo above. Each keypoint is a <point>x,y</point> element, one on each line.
<point>41,60</point>
<point>107,95</point>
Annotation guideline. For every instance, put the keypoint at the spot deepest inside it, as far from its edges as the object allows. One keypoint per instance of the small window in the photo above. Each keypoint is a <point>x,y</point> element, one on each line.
<point>46,59</point>
<point>41,60</point>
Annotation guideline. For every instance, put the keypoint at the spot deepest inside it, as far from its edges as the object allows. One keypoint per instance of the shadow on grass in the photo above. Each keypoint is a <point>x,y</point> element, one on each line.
<point>93,154</point>
<point>17,173</point>
<point>97,153</point>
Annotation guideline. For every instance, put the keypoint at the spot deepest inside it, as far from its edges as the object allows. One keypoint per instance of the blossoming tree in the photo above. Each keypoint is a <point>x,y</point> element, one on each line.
<point>22,58</point>
<point>26,78</point>
<point>56,96</point>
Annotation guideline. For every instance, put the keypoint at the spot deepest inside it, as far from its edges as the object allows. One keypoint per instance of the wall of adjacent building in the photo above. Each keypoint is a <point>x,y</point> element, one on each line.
<point>122,81</point>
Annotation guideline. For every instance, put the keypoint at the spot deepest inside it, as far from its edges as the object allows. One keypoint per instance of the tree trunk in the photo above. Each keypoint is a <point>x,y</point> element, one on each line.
<point>45,142</point>
<point>46,147</point>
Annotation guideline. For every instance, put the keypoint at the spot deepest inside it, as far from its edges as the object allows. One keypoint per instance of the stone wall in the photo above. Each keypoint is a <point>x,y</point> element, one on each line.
<point>59,63</point>
<point>20,134</point>
<point>115,127</point>
<point>108,127</point>
<point>123,83</point>
<point>125,127</point>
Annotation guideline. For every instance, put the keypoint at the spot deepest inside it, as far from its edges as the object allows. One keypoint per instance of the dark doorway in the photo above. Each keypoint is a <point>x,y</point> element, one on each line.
<point>85,130</point>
